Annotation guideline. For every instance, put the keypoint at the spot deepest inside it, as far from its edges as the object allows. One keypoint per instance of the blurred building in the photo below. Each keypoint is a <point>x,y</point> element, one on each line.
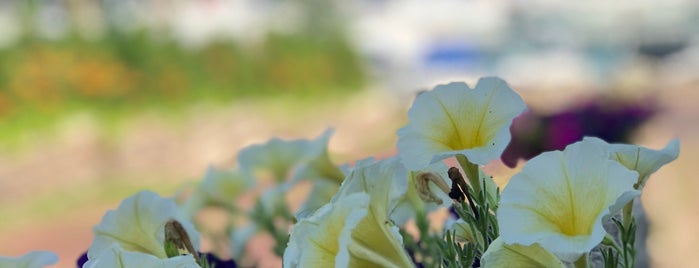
<point>408,44</point>
<point>411,43</point>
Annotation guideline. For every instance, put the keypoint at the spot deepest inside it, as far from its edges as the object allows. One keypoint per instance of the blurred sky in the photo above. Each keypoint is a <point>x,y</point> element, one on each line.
<point>94,55</point>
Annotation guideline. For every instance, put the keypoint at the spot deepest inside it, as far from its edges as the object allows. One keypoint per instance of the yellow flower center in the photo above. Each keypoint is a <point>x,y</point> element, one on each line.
<point>467,138</point>
<point>573,221</point>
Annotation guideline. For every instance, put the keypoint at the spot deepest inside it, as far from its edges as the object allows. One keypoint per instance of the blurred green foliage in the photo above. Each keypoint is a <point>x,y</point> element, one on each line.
<point>124,73</point>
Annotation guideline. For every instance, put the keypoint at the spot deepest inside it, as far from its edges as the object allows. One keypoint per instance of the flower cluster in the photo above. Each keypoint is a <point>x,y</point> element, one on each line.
<point>375,212</point>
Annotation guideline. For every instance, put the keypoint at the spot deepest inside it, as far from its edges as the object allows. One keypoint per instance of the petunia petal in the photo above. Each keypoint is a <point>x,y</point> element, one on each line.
<point>117,257</point>
<point>375,240</point>
<point>501,255</point>
<point>34,259</point>
<point>321,193</point>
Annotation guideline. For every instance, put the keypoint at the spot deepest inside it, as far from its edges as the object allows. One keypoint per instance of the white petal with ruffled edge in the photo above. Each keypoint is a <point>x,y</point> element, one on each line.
<point>501,255</point>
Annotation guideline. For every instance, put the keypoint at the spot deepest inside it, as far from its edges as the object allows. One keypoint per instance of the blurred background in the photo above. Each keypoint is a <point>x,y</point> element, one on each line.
<point>100,99</point>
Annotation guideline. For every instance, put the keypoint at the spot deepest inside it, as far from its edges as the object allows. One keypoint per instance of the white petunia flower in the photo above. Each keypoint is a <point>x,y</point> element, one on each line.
<point>138,225</point>
<point>293,159</point>
<point>219,187</point>
<point>456,120</point>
<point>559,199</point>
<point>640,159</point>
<point>354,229</point>
<point>388,175</point>
<point>34,259</point>
<point>289,162</point>
<point>316,240</point>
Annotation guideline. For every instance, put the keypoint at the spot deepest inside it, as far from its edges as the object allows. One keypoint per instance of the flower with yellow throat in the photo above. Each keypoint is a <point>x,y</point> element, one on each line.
<point>454,119</point>
<point>559,199</point>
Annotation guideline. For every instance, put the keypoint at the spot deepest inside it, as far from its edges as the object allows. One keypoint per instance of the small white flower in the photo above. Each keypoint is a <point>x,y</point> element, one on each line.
<point>559,199</point>
<point>290,160</point>
<point>138,225</point>
<point>34,259</point>
<point>454,119</point>
<point>640,159</point>
<point>219,187</point>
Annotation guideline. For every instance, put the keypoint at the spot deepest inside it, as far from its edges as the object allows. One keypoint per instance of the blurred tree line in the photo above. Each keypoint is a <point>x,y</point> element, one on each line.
<point>138,69</point>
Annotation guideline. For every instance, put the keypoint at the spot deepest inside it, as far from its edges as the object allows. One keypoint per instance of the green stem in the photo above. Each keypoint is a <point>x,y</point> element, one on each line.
<point>627,220</point>
<point>471,171</point>
<point>581,262</point>
<point>627,214</point>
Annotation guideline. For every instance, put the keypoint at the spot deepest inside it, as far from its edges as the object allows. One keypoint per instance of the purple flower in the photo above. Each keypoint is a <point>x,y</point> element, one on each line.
<point>612,121</point>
